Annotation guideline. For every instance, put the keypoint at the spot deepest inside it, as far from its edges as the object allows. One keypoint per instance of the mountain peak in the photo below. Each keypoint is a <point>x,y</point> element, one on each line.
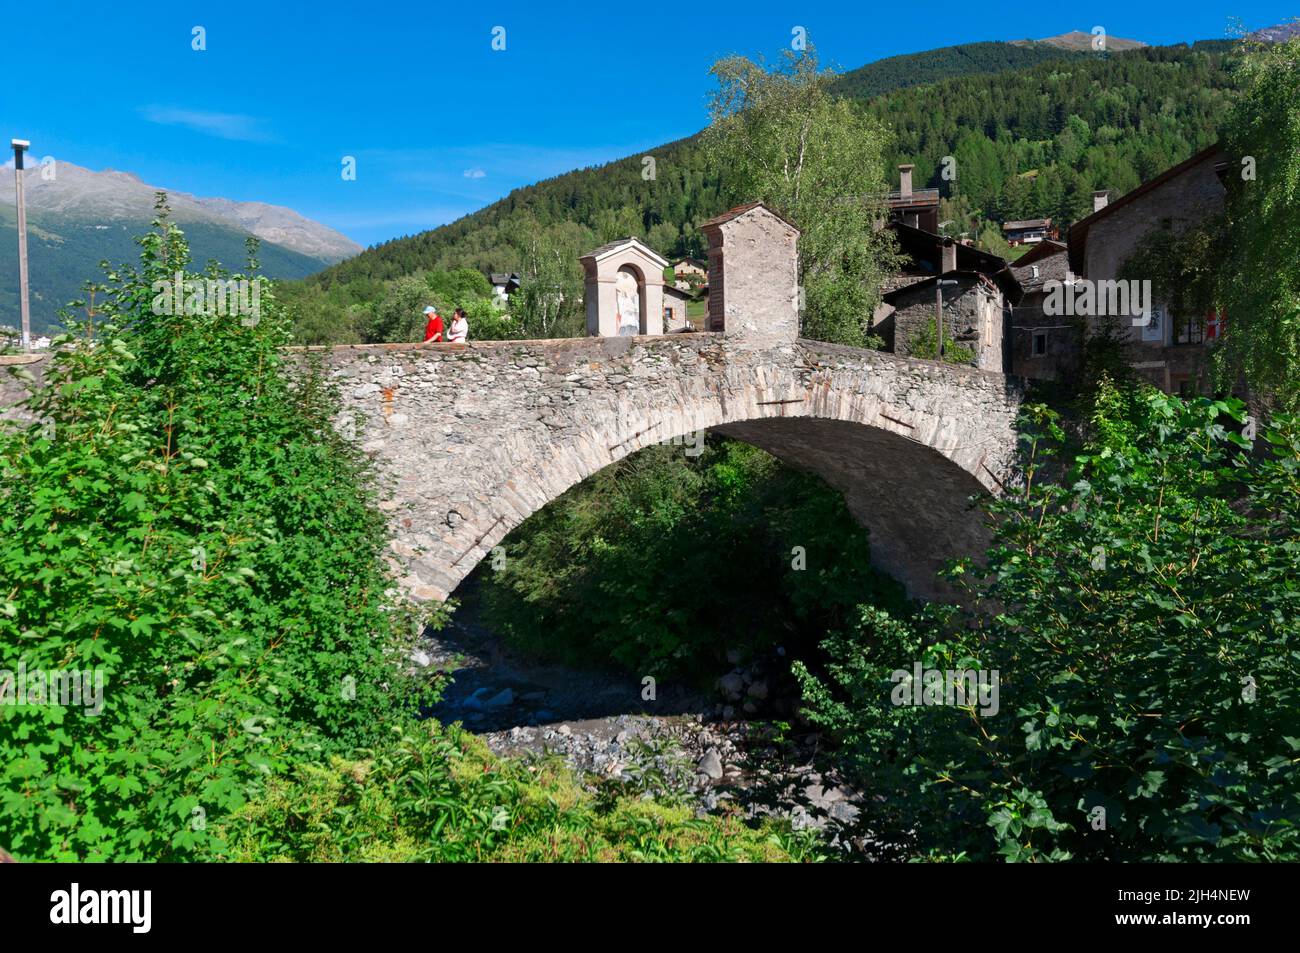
<point>1277,34</point>
<point>1079,40</point>
<point>115,195</point>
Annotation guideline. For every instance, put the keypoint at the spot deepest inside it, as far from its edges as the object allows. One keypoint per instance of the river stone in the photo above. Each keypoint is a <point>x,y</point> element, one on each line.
<point>501,699</point>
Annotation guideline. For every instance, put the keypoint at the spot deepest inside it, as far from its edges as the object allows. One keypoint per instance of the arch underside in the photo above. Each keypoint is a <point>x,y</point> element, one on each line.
<point>915,502</point>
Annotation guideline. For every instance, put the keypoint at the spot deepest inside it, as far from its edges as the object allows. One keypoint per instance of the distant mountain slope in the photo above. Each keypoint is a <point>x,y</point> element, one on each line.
<point>110,195</point>
<point>1277,34</point>
<point>64,252</point>
<point>79,217</point>
<point>916,69</point>
<point>1080,41</point>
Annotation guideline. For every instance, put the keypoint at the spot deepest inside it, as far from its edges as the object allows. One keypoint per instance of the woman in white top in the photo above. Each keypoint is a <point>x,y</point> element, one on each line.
<point>459,327</point>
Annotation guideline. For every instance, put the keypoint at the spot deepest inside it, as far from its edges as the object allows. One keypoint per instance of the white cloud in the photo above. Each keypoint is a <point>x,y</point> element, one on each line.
<point>474,173</point>
<point>234,126</point>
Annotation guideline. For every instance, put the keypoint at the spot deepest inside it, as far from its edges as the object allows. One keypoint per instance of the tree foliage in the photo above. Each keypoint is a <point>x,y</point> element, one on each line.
<point>1146,639</point>
<point>1260,276</point>
<point>663,561</point>
<point>183,521</point>
<point>779,136</point>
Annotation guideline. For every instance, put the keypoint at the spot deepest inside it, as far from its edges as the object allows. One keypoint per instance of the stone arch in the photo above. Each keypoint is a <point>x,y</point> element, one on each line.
<point>894,436</point>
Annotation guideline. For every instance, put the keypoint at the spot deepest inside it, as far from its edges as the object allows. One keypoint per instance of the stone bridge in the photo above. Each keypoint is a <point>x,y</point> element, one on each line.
<point>475,438</point>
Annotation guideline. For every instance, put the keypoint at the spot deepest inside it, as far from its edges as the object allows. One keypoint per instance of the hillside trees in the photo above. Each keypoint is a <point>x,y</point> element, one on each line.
<point>780,136</point>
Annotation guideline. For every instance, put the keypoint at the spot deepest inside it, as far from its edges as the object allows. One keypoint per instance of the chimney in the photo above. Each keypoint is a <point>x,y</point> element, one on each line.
<point>1100,199</point>
<point>905,181</point>
<point>949,256</point>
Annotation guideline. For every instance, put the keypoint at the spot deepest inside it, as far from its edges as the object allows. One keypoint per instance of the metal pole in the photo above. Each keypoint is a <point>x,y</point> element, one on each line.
<point>20,145</point>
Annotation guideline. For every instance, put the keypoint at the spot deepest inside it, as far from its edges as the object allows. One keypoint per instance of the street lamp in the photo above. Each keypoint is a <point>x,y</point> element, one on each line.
<point>21,146</point>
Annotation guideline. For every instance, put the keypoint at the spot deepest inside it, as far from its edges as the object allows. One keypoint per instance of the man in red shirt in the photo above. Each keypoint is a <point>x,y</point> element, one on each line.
<point>432,330</point>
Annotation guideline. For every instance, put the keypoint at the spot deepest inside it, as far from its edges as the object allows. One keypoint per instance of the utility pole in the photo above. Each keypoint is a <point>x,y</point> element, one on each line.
<point>938,316</point>
<point>20,146</point>
<point>938,309</point>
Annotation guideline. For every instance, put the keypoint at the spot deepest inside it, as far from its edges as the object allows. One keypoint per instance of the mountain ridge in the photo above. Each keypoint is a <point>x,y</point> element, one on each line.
<point>114,194</point>
<point>77,217</point>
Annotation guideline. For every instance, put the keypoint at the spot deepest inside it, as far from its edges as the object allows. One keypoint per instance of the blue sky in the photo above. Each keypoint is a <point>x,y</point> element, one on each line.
<point>440,123</point>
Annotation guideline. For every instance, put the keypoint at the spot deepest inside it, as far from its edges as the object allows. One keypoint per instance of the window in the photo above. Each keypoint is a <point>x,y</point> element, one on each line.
<point>1033,271</point>
<point>1153,332</point>
<point>1039,344</point>
<point>1189,329</point>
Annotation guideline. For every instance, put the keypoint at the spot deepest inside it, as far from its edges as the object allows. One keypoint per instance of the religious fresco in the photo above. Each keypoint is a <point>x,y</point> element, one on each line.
<point>628,298</point>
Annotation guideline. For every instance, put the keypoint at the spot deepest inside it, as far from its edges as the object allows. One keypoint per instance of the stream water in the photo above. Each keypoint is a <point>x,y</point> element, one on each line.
<point>682,743</point>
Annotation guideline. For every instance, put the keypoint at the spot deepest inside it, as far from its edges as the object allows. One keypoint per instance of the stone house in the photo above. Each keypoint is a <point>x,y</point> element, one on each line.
<point>1043,346</point>
<point>675,300</point>
<point>918,208</point>
<point>974,290</point>
<point>1169,350</point>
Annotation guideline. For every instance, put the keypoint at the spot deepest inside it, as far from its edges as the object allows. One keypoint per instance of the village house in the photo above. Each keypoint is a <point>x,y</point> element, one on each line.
<point>1028,232</point>
<point>675,300</point>
<point>1043,346</point>
<point>1169,350</point>
<point>689,272</point>
<point>504,284</point>
<point>974,290</point>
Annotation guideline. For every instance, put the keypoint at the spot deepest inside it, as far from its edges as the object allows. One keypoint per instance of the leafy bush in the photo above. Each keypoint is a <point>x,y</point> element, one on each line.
<point>183,520</point>
<point>1147,651</point>
<point>925,344</point>
<point>436,794</point>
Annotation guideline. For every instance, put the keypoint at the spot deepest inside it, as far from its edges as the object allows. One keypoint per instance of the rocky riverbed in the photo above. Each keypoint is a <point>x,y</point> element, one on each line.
<point>723,751</point>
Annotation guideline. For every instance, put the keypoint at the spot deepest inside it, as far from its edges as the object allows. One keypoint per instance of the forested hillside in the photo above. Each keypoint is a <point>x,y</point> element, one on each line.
<point>949,62</point>
<point>1038,141</point>
<point>1029,141</point>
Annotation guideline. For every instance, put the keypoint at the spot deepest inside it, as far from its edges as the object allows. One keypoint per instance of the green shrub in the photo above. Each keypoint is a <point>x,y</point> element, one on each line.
<point>1147,650</point>
<point>436,794</point>
<point>185,521</point>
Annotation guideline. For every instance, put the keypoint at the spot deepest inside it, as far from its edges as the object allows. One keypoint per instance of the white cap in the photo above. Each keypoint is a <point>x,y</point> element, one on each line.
<point>431,310</point>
